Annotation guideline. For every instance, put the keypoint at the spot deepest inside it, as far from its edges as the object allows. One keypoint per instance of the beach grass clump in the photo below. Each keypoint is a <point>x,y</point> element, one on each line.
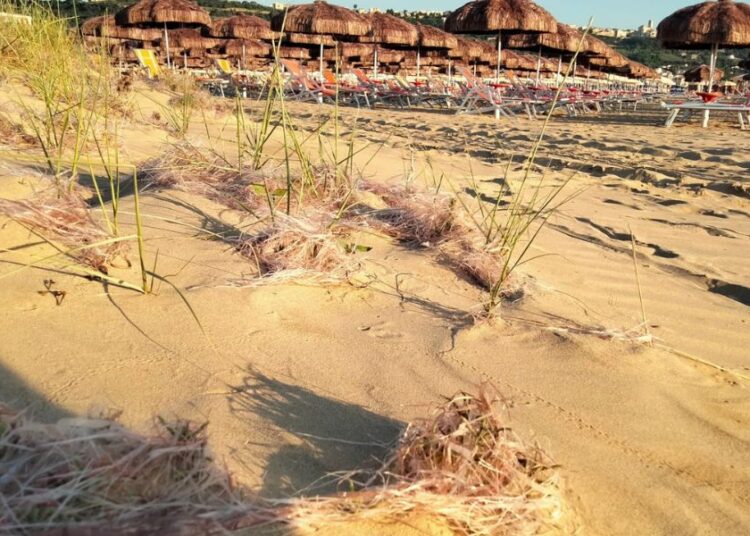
<point>93,476</point>
<point>187,98</point>
<point>188,168</point>
<point>305,248</point>
<point>417,217</point>
<point>463,465</point>
<point>479,262</point>
<point>305,234</point>
<point>67,220</point>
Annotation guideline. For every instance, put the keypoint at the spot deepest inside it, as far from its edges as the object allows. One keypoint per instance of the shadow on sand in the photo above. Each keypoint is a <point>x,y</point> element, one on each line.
<point>334,436</point>
<point>17,395</point>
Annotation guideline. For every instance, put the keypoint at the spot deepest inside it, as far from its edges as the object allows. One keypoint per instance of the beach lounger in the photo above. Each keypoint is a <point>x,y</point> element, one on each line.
<point>147,60</point>
<point>306,89</point>
<point>224,66</point>
<point>426,94</point>
<point>742,111</point>
<point>480,98</point>
<point>386,92</point>
<point>355,93</point>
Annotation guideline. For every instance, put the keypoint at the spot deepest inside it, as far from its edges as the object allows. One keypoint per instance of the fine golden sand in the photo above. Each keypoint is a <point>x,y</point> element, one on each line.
<point>298,381</point>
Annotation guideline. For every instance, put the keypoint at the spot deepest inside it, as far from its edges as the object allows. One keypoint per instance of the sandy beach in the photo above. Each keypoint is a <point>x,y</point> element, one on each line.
<point>301,380</point>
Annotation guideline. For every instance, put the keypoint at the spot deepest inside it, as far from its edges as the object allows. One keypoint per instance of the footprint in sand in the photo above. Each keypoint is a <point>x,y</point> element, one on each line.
<point>593,144</point>
<point>691,155</point>
<point>656,151</point>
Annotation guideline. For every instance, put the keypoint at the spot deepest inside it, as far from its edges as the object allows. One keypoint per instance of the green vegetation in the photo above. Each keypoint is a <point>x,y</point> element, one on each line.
<point>71,9</point>
<point>646,50</point>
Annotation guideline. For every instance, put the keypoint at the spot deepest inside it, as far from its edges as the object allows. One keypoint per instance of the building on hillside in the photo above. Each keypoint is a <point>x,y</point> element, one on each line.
<point>615,33</point>
<point>646,30</point>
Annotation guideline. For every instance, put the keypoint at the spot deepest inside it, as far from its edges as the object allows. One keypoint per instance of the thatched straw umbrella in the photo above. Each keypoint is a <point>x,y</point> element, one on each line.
<point>562,44</point>
<point>707,26</point>
<point>321,18</point>
<point>702,74</point>
<point>242,27</point>
<point>431,38</point>
<point>390,31</point>
<point>172,13</point>
<point>105,26</point>
<point>166,14</point>
<point>498,16</point>
<point>467,49</point>
<point>386,29</point>
<point>240,49</point>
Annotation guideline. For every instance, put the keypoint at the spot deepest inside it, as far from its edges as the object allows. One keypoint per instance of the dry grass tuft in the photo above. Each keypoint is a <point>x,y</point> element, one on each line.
<point>480,264</point>
<point>464,465</point>
<point>92,476</point>
<point>188,168</point>
<point>68,220</point>
<point>308,249</point>
<point>417,217</point>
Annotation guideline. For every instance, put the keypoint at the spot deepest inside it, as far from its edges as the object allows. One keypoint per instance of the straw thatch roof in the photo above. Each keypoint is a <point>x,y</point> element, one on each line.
<point>252,48</point>
<point>566,41</point>
<point>722,22</point>
<point>391,56</point>
<point>242,27</point>
<point>431,37</point>
<point>389,30</point>
<point>97,26</point>
<point>309,39</point>
<point>160,12</point>
<point>349,51</point>
<point>294,53</point>
<point>493,16</point>
<point>614,60</point>
<point>702,73</point>
<point>489,51</point>
<point>467,48</point>
<point>637,70</point>
<point>321,18</point>
<point>521,62</point>
<point>105,26</point>
<point>189,38</point>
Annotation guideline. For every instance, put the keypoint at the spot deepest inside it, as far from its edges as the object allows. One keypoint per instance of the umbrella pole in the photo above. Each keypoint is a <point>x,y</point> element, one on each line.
<point>559,70</point>
<point>166,42</point>
<point>714,53</point>
<point>244,61</point>
<point>419,61</point>
<point>539,67</point>
<point>499,53</point>
<point>375,62</point>
<point>321,59</point>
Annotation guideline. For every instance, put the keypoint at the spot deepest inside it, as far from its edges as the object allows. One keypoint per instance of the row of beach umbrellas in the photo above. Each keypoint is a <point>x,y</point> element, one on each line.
<point>322,32</point>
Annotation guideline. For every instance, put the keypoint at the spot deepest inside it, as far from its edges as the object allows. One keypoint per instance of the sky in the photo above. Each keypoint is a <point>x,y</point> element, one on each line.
<point>606,13</point>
